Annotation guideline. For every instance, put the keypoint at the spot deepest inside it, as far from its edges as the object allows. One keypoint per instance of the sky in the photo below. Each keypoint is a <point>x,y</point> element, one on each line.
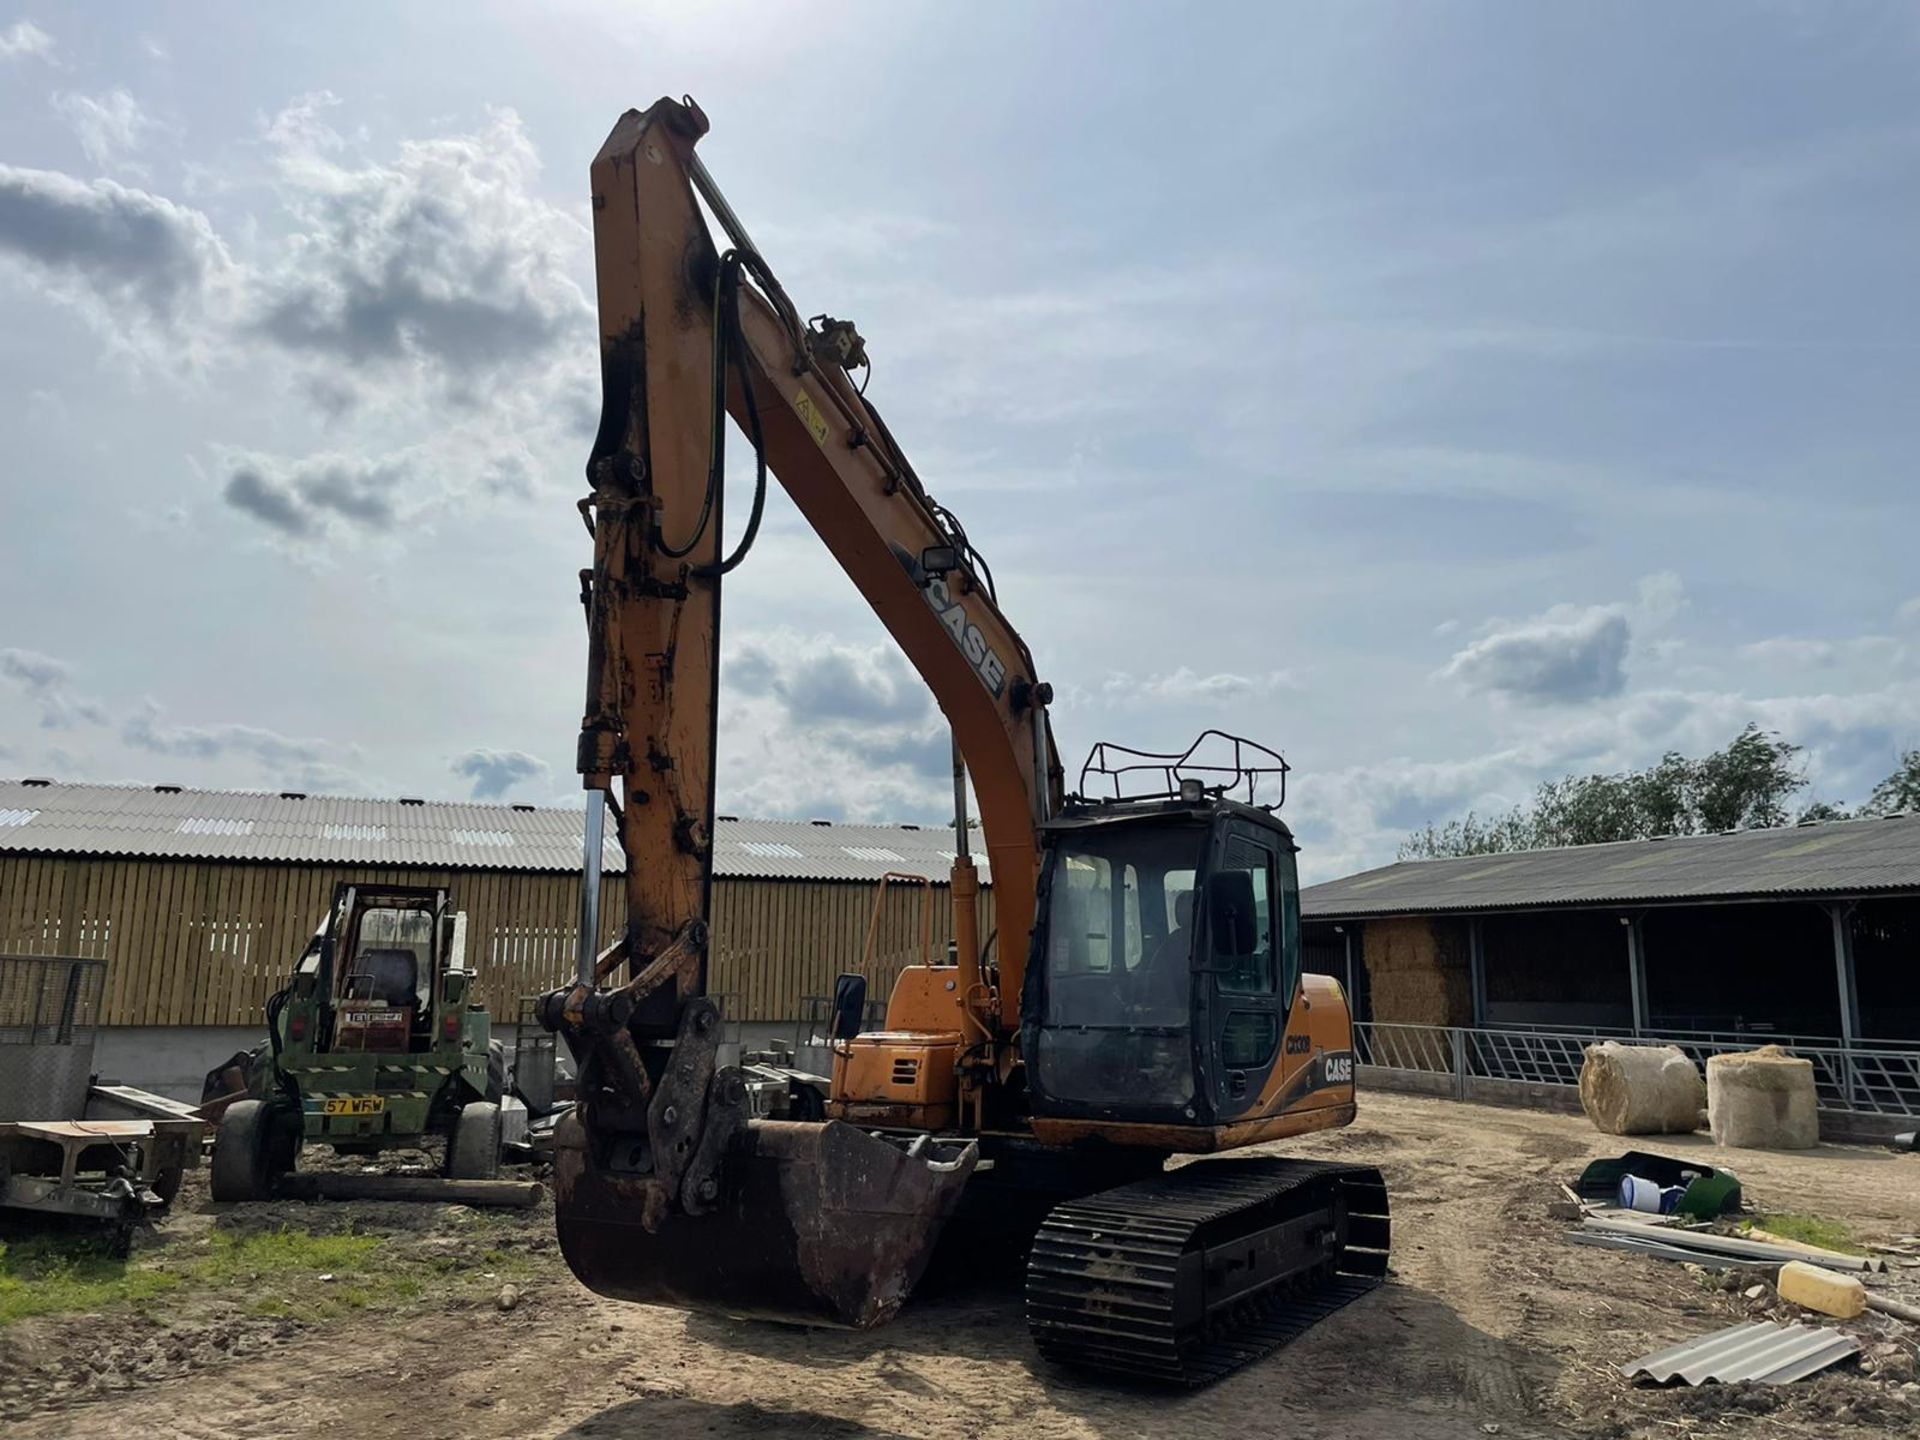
<point>1450,397</point>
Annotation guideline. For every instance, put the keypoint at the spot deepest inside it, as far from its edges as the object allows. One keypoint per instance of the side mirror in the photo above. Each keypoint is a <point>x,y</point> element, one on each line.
<point>849,1007</point>
<point>1230,912</point>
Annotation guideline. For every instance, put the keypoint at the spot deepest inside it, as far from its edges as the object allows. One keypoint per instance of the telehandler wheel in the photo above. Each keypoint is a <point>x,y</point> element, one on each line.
<point>496,1070</point>
<point>240,1169</point>
<point>473,1153</point>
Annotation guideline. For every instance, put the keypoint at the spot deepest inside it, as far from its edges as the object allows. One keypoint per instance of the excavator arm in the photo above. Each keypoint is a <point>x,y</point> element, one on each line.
<point>666,1188</point>
<point>684,326</point>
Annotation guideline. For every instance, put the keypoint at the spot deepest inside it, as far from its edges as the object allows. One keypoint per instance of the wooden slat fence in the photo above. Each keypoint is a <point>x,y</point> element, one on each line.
<point>205,942</point>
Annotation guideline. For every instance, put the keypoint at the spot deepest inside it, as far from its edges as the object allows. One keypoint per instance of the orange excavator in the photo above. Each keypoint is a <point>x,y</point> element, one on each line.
<point>1142,997</point>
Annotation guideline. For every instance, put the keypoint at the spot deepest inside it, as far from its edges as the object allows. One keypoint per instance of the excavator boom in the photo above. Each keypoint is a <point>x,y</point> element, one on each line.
<point>819,1220</point>
<point>681,326</point>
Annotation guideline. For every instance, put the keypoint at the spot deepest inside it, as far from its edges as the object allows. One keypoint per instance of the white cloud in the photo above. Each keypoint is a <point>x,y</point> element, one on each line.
<point>1881,651</point>
<point>820,680</point>
<point>1354,817</point>
<point>228,750</point>
<point>106,247</point>
<point>318,496</point>
<point>24,39</point>
<point>438,273</point>
<point>495,772</point>
<point>1186,685</point>
<point>1569,654</point>
<point>443,262</point>
<point>816,728</point>
<point>48,683</point>
<point>306,762</point>
<point>1563,657</point>
<point>111,127</point>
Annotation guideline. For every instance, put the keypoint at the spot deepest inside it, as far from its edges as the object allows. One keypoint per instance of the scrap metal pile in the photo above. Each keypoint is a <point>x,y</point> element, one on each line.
<point>1695,1214</point>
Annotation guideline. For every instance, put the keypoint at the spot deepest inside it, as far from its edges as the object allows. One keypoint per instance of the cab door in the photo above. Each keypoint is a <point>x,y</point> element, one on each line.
<point>1244,970</point>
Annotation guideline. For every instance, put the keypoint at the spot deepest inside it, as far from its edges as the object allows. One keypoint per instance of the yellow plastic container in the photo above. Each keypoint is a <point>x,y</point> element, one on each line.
<point>1822,1290</point>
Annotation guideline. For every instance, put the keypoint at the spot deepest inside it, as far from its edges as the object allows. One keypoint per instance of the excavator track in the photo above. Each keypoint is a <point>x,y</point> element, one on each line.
<point>1184,1277</point>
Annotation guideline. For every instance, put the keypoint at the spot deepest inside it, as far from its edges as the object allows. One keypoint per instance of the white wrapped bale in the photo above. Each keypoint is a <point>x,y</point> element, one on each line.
<point>1763,1100</point>
<point>1641,1089</point>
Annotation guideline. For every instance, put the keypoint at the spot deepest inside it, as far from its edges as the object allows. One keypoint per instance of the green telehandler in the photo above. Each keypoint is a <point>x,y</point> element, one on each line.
<point>375,1043</point>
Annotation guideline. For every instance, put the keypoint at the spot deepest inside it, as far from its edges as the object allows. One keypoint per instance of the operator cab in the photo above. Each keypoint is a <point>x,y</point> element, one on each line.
<point>378,958</point>
<point>1166,951</point>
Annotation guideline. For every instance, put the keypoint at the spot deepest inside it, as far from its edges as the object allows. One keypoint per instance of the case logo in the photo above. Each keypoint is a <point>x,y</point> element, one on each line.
<point>990,667</point>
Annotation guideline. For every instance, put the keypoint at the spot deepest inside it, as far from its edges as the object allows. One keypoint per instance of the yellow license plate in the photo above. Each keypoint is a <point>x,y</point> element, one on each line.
<point>353,1105</point>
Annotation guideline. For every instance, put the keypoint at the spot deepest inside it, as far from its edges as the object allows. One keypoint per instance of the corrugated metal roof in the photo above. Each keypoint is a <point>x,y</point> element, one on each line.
<point>167,822</point>
<point>812,850</point>
<point>1841,857</point>
<point>1763,1351</point>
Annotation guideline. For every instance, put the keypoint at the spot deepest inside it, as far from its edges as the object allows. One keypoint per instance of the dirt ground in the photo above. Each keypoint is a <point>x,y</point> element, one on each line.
<point>1491,1324</point>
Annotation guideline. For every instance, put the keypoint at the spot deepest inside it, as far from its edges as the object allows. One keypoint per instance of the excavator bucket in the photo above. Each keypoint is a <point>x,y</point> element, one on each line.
<point>816,1223</point>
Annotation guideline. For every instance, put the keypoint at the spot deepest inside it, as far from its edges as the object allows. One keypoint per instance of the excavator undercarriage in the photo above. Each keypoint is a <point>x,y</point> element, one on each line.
<point>1185,1276</point>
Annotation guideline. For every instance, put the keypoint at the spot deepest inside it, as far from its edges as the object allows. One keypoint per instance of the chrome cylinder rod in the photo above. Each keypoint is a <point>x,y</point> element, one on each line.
<point>959,802</point>
<point>592,864</point>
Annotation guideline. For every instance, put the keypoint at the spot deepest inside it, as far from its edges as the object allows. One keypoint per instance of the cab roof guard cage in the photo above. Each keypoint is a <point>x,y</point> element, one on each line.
<point>1233,764</point>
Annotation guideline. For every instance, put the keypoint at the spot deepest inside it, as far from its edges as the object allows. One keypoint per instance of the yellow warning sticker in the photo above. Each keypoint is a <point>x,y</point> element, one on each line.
<point>811,417</point>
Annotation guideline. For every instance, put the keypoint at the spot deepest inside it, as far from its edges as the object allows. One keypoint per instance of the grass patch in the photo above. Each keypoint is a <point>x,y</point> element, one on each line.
<point>263,1272</point>
<point>1811,1230</point>
<point>53,1274</point>
<point>273,1272</point>
<point>284,1254</point>
<point>281,1272</point>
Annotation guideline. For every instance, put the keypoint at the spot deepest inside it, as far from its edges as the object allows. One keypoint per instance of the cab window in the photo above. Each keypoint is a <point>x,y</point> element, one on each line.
<point>1118,940</point>
<point>1080,938</point>
<point>1291,946</point>
<point>1241,919</point>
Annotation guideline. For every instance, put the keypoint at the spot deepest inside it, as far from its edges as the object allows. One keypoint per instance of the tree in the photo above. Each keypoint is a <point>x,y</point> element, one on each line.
<point>1469,836</point>
<point>1586,810</point>
<point>1899,791</point>
<point>1746,785</point>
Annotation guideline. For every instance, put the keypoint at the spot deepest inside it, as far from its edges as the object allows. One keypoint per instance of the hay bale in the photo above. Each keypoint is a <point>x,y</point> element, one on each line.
<point>1418,971</point>
<point>1763,1100</point>
<point>1641,1089</point>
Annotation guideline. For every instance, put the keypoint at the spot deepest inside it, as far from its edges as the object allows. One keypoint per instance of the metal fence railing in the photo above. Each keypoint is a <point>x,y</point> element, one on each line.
<point>1880,1080</point>
<point>1719,1037</point>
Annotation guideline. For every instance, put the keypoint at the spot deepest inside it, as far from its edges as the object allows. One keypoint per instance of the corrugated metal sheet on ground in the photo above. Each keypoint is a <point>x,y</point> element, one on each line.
<point>1763,1351</point>
<point>146,822</point>
<point>1840,857</point>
